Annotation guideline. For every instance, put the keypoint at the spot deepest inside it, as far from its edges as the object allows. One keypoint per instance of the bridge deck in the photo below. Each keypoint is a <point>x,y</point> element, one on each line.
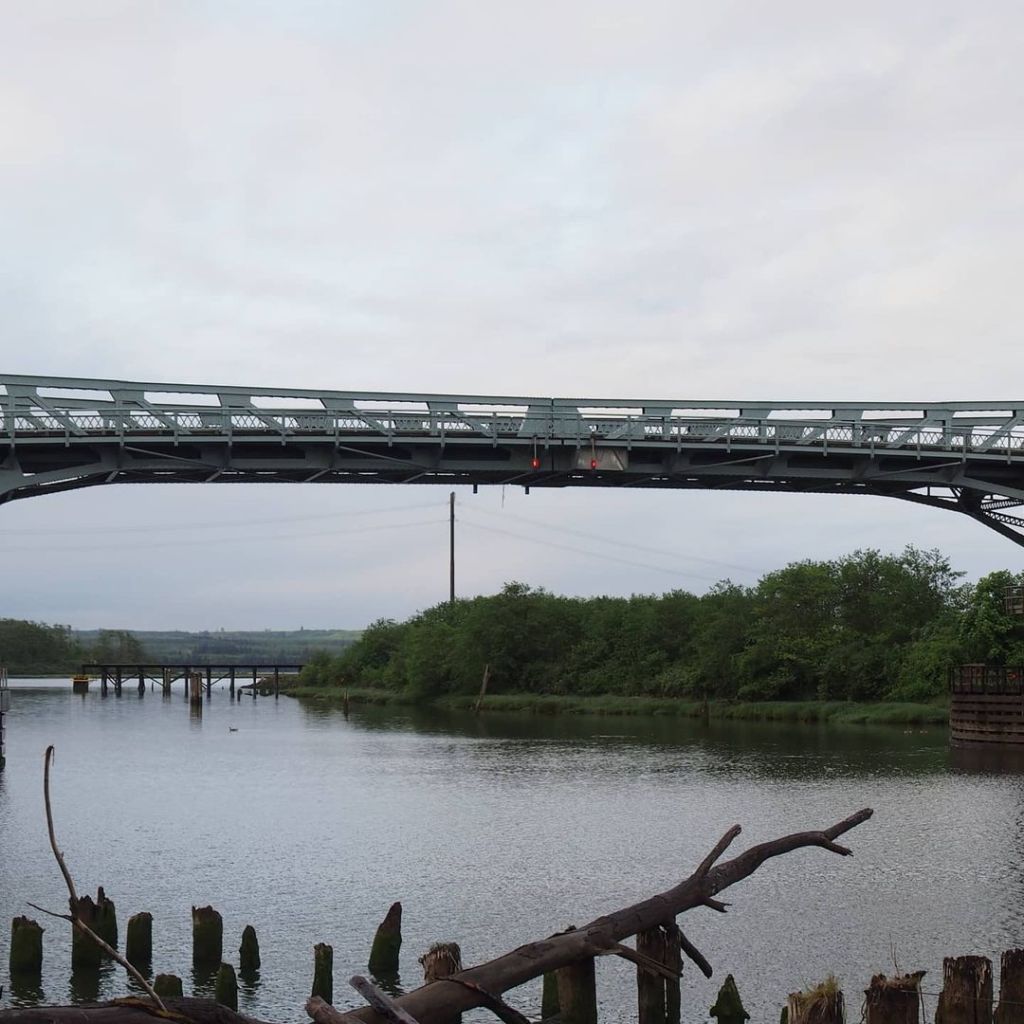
<point>63,433</point>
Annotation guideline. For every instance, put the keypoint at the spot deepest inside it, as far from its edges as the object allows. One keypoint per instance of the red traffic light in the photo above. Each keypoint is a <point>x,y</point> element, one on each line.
<point>593,463</point>
<point>535,463</point>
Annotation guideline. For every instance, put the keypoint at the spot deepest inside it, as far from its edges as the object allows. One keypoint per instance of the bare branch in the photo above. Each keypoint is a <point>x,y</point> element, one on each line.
<point>646,962</point>
<point>382,1003</point>
<point>720,847</point>
<point>75,920</point>
<point>695,955</point>
<point>716,905</point>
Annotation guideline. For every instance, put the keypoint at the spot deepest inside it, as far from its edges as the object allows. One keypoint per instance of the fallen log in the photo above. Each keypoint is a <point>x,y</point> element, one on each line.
<point>127,1011</point>
<point>439,1001</point>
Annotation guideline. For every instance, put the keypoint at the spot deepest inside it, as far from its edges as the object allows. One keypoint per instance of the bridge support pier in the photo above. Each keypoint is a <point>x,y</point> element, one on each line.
<point>231,674</point>
<point>103,683</point>
<point>209,680</point>
<point>142,683</point>
<point>277,681</point>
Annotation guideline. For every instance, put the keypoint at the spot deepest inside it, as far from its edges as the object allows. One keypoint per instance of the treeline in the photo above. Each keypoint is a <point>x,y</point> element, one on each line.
<point>865,627</point>
<point>239,647</point>
<point>36,648</point>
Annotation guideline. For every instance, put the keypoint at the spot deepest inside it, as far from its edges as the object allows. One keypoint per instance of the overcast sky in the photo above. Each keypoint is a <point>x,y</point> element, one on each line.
<point>673,200</point>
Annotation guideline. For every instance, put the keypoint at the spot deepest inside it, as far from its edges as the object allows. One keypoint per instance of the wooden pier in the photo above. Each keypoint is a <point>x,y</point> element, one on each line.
<point>195,678</point>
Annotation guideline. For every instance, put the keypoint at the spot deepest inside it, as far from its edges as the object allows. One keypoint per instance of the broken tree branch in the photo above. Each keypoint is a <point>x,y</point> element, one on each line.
<point>76,922</point>
<point>434,1004</point>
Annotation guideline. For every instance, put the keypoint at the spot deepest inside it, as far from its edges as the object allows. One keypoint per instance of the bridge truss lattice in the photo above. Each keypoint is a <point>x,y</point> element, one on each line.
<point>58,434</point>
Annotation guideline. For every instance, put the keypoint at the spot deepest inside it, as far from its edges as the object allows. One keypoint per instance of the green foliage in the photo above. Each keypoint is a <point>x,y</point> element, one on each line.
<point>866,627</point>
<point>34,647</point>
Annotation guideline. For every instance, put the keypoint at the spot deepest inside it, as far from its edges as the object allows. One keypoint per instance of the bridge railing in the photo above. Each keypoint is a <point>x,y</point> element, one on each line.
<point>73,409</point>
<point>73,425</point>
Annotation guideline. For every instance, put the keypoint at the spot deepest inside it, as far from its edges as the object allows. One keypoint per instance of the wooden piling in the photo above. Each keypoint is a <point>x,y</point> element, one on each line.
<point>483,689</point>
<point>323,972</point>
<point>728,1008</point>
<point>442,960</point>
<point>142,683</point>
<point>138,940</point>
<point>1011,988</point>
<point>650,987</point>
<point>895,1000</point>
<point>549,1006</point>
<point>85,954</point>
<point>387,943</point>
<point>577,993</point>
<point>168,985</point>
<point>207,937</point>
<point>26,957</point>
<point>822,1004</point>
<point>225,988</point>
<point>249,951</point>
<point>195,690</point>
<point>105,925</point>
<point>674,962</point>
<point>231,676</point>
<point>966,996</point>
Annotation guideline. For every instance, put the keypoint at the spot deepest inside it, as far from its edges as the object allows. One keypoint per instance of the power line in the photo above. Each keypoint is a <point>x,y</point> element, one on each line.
<point>220,540</point>
<point>615,541</point>
<point>224,524</point>
<point>589,552</point>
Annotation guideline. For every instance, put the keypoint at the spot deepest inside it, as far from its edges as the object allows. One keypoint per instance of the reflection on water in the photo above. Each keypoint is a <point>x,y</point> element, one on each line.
<point>497,829</point>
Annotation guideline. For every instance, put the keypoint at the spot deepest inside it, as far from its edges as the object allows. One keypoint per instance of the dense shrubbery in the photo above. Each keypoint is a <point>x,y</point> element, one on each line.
<point>865,627</point>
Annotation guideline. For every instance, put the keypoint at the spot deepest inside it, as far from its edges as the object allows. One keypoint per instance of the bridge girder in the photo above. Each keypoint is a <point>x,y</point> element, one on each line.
<point>59,434</point>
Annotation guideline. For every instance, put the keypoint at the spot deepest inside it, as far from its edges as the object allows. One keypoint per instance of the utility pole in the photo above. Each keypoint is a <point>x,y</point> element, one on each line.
<point>451,547</point>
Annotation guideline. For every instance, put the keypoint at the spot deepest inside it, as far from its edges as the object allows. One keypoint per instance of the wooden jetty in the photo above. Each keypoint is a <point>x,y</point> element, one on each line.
<point>5,706</point>
<point>195,678</point>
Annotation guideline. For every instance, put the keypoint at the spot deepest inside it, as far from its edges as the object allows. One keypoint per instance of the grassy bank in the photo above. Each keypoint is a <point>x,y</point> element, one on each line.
<point>844,712</point>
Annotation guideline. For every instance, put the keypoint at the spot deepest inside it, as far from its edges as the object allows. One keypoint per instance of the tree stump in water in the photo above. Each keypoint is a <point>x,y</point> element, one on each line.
<point>966,991</point>
<point>323,972</point>
<point>249,951</point>
<point>577,993</point>
<point>442,960</point>
<point>1011,988</point>
<point>822,1004</point>
<point>387,943</point>
<point>167,985</point>
<point>26,956</point>
<point>225,989</point>
<point>728,1007</point>
<point>895,1000</point>
<point>207,937</point>
<point>138,940</point>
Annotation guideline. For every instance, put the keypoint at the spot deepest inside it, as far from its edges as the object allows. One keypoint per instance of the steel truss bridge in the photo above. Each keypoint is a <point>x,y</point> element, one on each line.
<point>57,434</point>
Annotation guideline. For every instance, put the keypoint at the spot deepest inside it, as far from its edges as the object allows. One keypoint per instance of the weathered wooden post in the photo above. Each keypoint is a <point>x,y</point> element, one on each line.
<point>387,943</point>
<point>728,1008</point>
<point>549,995</point>
<point>85,954</point>
<point>209,680</point>
<point>442,960</point>
<point>650,987</point>
<point>577,993</point>
<point>277,686</point>
<point>822,1004</point>
<point>674,962</point>
<point>138,940</point>
<point>323,972</point>
<point>167,985</point>
<point>207,936</point>
<point>249,952</point>
<point>966,996</point>
<point>231,676</point>
<point>26,956</point>
<point>1011,988</point>
<point>105,925</point>
<point>117,681</point>
<point>196,688</point>
<point>895,1000</point>
<point>142,683</point>
<point>225,988</point>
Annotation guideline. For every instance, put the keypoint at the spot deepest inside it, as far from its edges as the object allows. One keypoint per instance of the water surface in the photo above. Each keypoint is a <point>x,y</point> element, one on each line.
<point>496,830</point>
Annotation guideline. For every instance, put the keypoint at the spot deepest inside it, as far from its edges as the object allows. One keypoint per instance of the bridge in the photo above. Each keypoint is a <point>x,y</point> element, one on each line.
<point>59,433</point>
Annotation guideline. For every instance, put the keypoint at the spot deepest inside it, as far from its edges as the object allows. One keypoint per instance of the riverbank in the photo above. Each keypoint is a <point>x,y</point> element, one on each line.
<point>836,712</point>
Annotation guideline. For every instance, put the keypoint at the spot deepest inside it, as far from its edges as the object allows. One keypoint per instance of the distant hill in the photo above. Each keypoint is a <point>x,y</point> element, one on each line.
<point>232,647</point>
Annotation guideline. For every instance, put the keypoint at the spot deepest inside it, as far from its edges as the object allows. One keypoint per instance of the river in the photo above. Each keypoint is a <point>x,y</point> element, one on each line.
<point>496,830</point>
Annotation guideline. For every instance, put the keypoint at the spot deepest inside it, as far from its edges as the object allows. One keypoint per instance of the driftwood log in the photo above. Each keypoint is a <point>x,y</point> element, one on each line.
<point>439,1001</point>
<point>126,1011</point>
